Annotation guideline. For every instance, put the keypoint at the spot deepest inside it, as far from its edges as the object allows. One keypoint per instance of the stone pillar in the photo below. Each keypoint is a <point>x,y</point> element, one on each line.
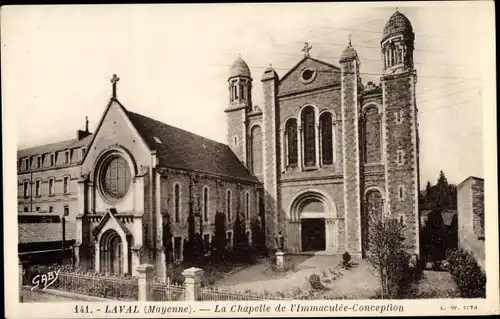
<point>331,235</point>
<point>145,274</point>
<point>193,277</point>
<point>20,270</point>
<point>299,147</point>
<point>316,143</point>
<point>280,259</point>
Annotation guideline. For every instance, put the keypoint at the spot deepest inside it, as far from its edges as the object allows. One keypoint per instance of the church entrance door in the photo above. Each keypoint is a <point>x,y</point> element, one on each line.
<point>313,234</point>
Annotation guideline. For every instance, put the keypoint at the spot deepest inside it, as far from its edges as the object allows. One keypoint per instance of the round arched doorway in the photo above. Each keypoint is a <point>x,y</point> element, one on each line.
<point>312,224</point>
<point>111,249</point>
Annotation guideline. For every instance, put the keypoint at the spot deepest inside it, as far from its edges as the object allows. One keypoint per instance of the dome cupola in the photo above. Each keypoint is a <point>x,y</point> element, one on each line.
<point>239,68</point>
<point>397,44</point>
<point>240,85</point>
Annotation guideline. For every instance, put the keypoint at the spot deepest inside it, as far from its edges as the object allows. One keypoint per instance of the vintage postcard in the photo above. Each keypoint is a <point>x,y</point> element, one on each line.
<point>235,160</point>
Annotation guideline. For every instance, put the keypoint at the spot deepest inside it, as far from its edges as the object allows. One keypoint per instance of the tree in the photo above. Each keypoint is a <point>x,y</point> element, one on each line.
<point>219,239</point>
<point>387,253</point>
<point>434,237</point>
<point>167,240</point>
<point>241,247</point>
<point>443,196</point>
<point>258,239</point>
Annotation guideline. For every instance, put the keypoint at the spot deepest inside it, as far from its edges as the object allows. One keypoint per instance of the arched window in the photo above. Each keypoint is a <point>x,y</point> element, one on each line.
<point>247,205</point>
<point>372,142</point>
<point>291,142</point>
<point>309,140</point>
<point>228,205</point>
<point>205,203</point>
<point>326,129</point>
<point>256,150</point>
<point>177,202</point>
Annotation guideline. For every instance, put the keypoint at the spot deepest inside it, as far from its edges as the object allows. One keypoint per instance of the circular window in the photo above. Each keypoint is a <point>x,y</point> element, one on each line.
<point>307,75</point>
<point>115,177</point>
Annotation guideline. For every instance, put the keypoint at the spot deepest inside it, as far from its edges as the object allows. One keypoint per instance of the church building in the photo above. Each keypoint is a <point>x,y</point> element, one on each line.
<point>330,151</point>
<point>321,155</point>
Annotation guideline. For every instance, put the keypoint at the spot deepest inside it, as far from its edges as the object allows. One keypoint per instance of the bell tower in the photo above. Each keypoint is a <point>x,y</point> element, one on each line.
<point>400,126</point>
<point>240,103</point>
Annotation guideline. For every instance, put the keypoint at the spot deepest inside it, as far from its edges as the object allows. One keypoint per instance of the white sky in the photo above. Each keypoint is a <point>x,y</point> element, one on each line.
<point>173,64</point>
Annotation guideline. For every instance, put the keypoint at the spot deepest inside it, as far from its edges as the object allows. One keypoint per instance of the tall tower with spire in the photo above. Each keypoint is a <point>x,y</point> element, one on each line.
<point>240,103</point>
<point>401,141</point>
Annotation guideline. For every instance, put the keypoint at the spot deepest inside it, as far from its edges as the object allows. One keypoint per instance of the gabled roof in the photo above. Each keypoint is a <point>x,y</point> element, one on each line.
<point>181,149</point>
<point>103,221</point>
<point>54,147</point>
<point>45,232</point>
<point>302,61</point>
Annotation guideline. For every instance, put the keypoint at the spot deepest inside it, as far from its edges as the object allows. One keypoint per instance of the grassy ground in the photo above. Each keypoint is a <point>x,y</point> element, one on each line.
<point>437,284</point>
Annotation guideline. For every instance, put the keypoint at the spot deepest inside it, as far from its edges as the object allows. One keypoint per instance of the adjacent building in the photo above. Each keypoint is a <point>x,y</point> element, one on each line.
<point>470,208</point>
<point>47,176</point>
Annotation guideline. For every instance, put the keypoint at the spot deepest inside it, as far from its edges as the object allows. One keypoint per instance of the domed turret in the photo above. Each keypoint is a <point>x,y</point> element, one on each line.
<point>397,44</point>
<point>239,68</point>
<point>269,74</point>
<point>240,85</point>
<point>398,23</point>
<point>349,53</point>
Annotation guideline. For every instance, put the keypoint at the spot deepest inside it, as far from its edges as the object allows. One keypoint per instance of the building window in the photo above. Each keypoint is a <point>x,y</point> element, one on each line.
<point>205,203</point>
<point>206,243</point>
<point>31,161</point>
<point>51,209</point>
<point>309,134</point>
<point>51,186</point>
<point>25,208</point>
<point>116,177</point>
<point>398,116</point>
<point>27,164</point>
<point>400,157</point>
<point>372,135</point>
<point>177,202</point>
<point>37,208</point>
<point>66,157</point>
<point>26,189</point>
<point>51,159</point>
<point>37,188</point>
<point>247,205</point>
<point>66,210</point>
<point>235,140</point>
<point>256,150</point>
<point>228,205</point>
<point>291,143</point>
<point>66,185</point>
<point>177,248</point>
<point>249,237</point>
<point>229,239</point>
<point>401,192</point>
<point>326,127</point>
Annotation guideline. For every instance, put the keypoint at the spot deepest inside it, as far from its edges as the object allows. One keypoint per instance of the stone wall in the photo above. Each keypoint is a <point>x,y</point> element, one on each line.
<point>470,211</point>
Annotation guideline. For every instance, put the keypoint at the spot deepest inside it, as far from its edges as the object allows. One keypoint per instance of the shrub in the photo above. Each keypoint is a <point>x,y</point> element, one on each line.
<point>470,279</point>
<point>315,282</point>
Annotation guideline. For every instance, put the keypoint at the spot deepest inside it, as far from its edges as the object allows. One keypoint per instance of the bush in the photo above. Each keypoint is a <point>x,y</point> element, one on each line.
<point>470,279</point>
<point>315,282</point>
<point>346,261</point>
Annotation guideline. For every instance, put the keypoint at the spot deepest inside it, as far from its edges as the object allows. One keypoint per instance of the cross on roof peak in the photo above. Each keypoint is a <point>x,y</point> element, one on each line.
<point>307,48</point>
<point>350,37</point>
<point>114,80</point>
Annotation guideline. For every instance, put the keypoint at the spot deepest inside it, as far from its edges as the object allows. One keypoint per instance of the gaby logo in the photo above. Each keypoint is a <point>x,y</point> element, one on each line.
<point>45,280</point>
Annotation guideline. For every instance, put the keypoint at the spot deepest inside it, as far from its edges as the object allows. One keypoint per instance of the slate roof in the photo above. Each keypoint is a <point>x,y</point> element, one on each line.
<point>184,150</point>
<point>53,147</point>
<point>45,232</point>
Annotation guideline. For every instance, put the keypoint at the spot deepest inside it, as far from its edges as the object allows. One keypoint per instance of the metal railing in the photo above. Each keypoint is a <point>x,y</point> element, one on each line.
<point>105,286</point>
<point>168,291</point>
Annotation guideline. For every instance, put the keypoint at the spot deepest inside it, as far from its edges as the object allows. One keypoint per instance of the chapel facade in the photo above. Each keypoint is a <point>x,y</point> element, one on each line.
<point>322,155</point>
<point>332,152</point>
